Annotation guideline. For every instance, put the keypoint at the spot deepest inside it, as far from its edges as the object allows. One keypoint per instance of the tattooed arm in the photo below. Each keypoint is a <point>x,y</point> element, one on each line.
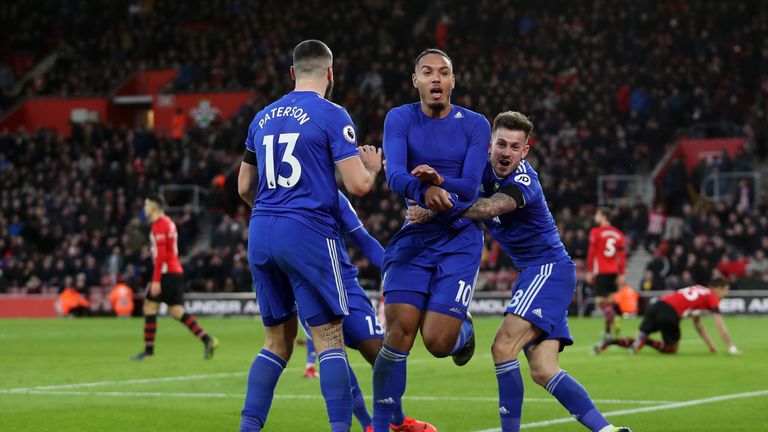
<point>489,208</point>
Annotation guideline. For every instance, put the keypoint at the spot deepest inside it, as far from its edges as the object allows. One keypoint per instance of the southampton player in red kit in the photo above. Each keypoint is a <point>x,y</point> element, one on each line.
<point>606,261</point>
<point>665,315</point>
<point>167,284</point>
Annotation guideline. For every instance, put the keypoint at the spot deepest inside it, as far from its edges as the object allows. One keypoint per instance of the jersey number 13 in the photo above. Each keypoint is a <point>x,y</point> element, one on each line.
<point>288,157</point>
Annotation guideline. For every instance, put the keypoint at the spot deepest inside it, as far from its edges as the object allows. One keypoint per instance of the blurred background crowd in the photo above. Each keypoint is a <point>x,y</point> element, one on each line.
<point>610,86</point>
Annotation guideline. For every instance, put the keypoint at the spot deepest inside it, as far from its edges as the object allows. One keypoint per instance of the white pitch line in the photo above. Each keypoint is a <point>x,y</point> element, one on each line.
<point>295,396</point>
<point>667,406</point>
<point>123,382</point>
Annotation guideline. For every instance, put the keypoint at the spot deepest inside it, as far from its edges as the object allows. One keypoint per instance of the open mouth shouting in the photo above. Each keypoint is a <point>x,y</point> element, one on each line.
<point>436,93</point>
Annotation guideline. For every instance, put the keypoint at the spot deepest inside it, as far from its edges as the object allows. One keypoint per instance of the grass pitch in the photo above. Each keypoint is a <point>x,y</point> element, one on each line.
<point>74,375</point>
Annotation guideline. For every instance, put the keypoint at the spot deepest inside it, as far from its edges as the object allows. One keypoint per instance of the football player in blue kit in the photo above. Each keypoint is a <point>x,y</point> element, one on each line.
<point>362,329</point>
<point>515,212</point>
<point>293,149</point>
<point>430,269</point>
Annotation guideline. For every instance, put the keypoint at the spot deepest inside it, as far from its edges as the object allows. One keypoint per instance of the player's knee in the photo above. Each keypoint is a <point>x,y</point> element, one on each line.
<point>438,345</point>
<point>399,337</point>
<point>541,374</point>
<point>279,347</point>
<point>176,311</point>
<point>670,349</point>
<point>503,349</point>
<point>150,308</point>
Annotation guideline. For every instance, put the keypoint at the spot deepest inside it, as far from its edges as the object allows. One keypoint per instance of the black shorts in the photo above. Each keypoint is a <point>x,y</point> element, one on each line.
<point>661,316</point>
<point>171,290</point>
<point>605,284</point>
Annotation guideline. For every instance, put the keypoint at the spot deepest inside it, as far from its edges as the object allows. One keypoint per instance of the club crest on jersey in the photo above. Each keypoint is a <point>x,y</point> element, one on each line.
<point>349,133</point>
<point>523,179</point>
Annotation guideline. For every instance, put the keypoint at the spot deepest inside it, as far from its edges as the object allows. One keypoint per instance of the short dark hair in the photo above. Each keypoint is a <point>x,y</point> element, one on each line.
<point>605,211</point>
<point>513,120</point>
<point>311,56</point>
<point>158,199</point>
<point>718,282</point>
<point>431,51</point>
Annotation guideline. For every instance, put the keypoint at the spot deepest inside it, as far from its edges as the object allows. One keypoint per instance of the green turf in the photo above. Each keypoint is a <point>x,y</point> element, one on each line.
<point>66,353</point>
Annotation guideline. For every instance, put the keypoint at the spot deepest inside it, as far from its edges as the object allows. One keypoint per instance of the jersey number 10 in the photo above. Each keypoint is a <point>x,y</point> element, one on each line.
<point>288,157</point>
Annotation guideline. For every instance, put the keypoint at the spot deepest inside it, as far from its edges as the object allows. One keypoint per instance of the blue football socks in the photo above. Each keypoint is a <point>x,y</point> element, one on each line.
<point>389,378</point>
<point>576,400</point>
<point>336,388</point>
<point>359,409</point>
<point>465,332</point>
<point>311,353</point>
<point>510,395</point>
<point>262,379</point>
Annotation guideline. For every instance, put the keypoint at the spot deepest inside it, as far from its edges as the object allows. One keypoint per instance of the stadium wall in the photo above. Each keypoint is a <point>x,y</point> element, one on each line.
<point>202,110</point>
<point>483,303</point>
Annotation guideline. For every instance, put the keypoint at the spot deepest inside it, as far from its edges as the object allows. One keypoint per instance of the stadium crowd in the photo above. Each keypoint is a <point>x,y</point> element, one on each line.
<point>609,85</point>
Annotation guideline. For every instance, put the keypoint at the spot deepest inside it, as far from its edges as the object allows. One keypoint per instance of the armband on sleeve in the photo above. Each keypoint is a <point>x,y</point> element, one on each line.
<point>249,157</point>
<point>515,193</point>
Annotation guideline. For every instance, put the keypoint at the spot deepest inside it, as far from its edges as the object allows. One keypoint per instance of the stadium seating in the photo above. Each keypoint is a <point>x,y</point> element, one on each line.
<point>609,89</point>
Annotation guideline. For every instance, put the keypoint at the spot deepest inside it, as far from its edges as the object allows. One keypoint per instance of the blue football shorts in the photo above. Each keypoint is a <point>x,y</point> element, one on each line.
<point>541,295</point>
<point>293,265</point>
<point>362,322</point>
<point>438,278</point>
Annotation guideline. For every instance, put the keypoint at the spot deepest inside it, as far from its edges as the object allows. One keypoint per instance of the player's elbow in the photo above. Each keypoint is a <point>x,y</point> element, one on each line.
<point>360,185</point>
<point>244,193</point>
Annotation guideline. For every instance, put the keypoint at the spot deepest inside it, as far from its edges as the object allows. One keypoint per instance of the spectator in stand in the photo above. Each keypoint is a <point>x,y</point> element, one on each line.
<point>178,125</point>
<point>656,220</point>
<point>758,265</point>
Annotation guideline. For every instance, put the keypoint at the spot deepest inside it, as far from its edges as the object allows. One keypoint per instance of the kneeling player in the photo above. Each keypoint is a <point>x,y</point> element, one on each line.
<point>515,211</point>
<point>664,316</point>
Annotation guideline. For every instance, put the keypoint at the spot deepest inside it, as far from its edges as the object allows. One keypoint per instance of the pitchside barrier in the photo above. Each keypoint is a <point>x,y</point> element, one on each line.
<point>484,303</point>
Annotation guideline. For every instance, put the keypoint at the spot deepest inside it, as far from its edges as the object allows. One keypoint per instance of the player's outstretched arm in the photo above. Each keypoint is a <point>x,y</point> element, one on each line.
<point>353,227</point>
<point>369,246</point>
<point>720,324</point>
<point>489,208</point>
<point>359,173</point>
<point>247,181</point>
<point>484,208</point>
<point>704,335</point>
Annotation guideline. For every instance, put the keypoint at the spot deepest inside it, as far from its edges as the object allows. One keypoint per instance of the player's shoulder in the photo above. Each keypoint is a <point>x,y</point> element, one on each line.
<point>702,288</point>
<point>327,107</point>
<point>459,112</point>
<point>406,111</point>
<point>524,175</point>
<point>161,224</point>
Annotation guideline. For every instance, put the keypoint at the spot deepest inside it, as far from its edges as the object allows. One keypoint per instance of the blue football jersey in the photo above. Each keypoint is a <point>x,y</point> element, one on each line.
<point>298,139</point>
<point>528,234</point>
<point>456,146</point>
